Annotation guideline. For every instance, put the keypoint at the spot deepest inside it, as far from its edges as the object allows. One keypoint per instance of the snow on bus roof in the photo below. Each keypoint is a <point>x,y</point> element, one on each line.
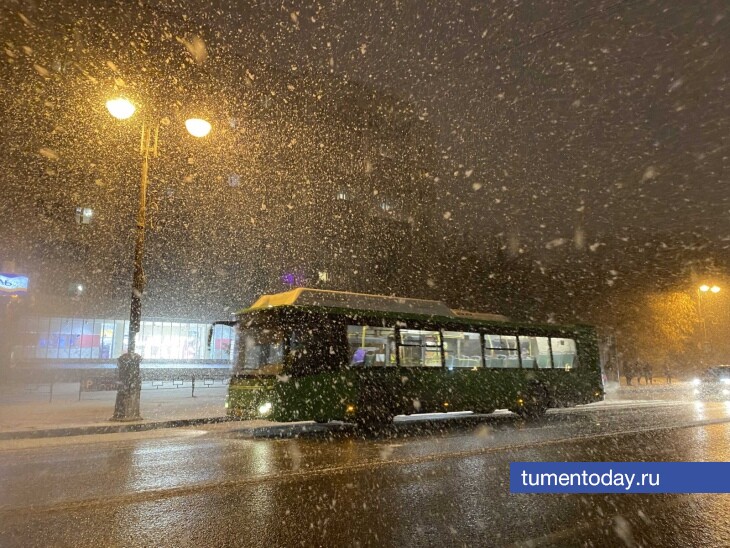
<point>303,296</point>
<point>480,316</point>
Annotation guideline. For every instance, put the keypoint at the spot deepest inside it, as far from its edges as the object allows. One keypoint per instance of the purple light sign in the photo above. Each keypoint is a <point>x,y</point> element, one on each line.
<point>292,279</point>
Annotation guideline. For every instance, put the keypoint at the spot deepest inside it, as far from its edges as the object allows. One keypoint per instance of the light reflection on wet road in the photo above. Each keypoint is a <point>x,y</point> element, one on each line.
<point>420,485</point>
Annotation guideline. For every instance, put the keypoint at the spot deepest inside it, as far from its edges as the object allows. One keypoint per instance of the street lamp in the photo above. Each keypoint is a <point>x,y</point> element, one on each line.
<point>704,288</point>
<point>126,407</point>
<point>197,127</point>
<point>120,108</point>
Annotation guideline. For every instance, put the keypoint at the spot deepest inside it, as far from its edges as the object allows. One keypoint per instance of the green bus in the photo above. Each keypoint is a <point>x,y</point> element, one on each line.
<point>310,354</point>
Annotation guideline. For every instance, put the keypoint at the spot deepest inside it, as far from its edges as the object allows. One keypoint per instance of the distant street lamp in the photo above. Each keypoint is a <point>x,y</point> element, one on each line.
<point>126,407</point>
<point>120,108</point>
<point>197,127</point>
<point>704,288</point>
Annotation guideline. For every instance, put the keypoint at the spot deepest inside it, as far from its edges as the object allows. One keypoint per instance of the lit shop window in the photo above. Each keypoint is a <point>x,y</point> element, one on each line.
<point>84,215</point>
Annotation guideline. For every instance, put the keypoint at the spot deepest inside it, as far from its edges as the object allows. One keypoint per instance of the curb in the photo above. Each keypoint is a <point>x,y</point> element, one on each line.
<point>292,430</point>
<point>108,429</point>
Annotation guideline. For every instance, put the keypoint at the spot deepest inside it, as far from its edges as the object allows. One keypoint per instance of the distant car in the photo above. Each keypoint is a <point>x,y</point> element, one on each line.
<point>714,383</point>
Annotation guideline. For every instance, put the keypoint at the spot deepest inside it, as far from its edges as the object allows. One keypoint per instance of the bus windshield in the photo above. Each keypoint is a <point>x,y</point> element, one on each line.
<point>262,351</point>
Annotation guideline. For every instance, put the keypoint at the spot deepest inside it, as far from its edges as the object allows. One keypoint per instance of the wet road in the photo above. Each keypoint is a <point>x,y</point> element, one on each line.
<point>421,485</point>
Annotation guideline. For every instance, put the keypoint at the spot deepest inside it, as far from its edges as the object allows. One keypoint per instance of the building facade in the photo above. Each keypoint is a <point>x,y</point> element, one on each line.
<point>306,179</point>
<point>68,339</point>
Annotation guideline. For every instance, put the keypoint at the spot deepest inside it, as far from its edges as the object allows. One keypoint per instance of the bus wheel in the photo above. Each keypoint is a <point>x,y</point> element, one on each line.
<point>534,403</point>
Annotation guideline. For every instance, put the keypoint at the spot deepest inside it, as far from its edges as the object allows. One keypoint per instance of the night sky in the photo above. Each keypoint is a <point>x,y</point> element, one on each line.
<point>565,123</point>
<point>583,136</point>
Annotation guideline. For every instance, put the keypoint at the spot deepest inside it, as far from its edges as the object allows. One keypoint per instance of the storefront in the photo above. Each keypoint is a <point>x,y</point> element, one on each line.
<point>44,338</point>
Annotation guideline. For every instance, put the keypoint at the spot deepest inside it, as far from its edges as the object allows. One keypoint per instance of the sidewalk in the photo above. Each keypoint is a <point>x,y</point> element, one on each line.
<point>29,413</point>
<point>73,371</point>
<point>26,411</point>
<point>677,390</point>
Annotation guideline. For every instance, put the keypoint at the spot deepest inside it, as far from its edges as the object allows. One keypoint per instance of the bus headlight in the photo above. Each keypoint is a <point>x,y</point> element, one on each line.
<point>696,382</point>
<point>265,408</point>
<point>726,381</point>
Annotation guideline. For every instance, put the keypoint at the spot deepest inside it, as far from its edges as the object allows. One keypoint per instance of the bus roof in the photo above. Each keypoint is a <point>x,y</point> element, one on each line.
<point>362,302</point>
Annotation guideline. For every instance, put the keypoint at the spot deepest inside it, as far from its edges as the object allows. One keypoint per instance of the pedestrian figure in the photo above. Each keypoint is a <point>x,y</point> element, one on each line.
<point>649,374</point>
<point>668,374</point>
<point>629,373</point>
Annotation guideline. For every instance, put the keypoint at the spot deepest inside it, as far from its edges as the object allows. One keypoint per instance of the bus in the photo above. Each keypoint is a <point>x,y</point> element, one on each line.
<point>318,355</point>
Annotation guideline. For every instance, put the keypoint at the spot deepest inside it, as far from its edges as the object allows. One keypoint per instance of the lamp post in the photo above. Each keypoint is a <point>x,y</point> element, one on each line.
<point>126,407</point>
<point>704,288</point>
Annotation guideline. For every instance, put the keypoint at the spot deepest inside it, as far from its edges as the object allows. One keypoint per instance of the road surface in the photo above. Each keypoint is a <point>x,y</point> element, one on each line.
<point>439,483</point>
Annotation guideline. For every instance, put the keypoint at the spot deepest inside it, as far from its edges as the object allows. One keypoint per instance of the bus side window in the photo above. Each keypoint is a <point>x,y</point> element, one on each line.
<point>535,352</point>
<point>420,348</point>
<point>500,352</point>
<point>461,349</point>
<point>565,354</point>
<point>370,346</point>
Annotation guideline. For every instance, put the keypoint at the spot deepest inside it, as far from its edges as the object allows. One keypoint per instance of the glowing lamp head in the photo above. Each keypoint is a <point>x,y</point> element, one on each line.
<point>715,289</point>
<point>704,288</point>
<point>120,108</point>
<point>197,127</point>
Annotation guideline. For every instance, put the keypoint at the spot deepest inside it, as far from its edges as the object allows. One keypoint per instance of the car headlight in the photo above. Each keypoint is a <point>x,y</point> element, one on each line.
<point>696,382</point>
<point>725,381</point>
<point>264,408</point>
